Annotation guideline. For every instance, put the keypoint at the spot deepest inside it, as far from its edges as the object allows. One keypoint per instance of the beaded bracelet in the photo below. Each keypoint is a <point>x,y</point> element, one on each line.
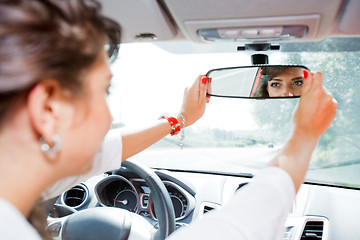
<point>182,136</point>
<point>175,126</point>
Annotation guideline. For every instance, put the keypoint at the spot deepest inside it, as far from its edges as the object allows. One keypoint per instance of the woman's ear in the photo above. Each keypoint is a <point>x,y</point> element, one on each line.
<point>46,104</point>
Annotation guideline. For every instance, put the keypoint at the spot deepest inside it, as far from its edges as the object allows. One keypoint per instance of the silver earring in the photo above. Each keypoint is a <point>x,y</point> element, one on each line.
<point>45,147</point>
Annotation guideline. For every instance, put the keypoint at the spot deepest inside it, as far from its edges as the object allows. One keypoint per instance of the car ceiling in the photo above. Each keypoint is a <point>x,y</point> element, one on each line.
<point>174,20</point>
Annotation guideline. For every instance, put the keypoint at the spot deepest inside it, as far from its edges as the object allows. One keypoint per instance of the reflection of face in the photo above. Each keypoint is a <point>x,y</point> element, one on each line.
<point>287,83</point>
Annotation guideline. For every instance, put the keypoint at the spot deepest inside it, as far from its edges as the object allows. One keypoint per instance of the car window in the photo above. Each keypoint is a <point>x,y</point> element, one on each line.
<point>235,135</point>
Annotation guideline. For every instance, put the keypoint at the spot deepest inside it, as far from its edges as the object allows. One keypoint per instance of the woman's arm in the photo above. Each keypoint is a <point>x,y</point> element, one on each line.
<point>193,108</point>
<point>314,114</point>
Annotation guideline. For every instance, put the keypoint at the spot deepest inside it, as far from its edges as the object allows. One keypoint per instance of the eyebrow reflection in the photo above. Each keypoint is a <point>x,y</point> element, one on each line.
<point>280,80</point>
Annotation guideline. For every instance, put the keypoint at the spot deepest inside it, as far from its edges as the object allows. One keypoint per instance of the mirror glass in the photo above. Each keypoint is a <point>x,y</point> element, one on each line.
<point>267,81</point>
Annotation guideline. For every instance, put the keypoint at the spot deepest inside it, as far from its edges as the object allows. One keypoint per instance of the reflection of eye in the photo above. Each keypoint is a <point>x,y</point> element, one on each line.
<point>275,84</point>
<point>298,83</point>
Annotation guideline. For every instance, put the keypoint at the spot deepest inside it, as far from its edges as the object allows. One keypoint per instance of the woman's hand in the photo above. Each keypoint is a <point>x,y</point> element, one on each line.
<point>316,109</point>
<point>313,115</point>
<point>194,101</point>
<point>193,107</point>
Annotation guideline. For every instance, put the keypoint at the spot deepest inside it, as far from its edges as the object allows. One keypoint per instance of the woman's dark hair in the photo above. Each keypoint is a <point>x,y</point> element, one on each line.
<point>272,72</point>
<point>57,39</point>
<point>267,73</point>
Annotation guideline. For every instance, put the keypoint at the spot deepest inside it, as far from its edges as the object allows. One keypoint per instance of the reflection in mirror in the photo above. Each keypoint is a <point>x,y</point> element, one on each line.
<point>258,81</point>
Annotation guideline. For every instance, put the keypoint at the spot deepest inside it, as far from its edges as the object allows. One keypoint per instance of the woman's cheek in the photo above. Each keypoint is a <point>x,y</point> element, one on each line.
<point>107,115</point>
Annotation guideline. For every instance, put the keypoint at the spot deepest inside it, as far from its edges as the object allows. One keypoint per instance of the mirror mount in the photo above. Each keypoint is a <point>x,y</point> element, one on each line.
<point>259,59</point>
<point>258,47</point>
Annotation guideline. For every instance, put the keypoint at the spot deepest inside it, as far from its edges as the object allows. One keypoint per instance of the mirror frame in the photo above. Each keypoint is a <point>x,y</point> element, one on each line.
<point>251,66</point>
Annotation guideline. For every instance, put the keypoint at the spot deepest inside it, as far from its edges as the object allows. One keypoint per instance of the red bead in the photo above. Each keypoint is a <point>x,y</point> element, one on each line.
<point>174,123</point>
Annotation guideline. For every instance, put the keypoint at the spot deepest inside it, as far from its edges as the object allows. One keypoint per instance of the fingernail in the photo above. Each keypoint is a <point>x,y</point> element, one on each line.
<point>204,79</point>
<point>306,74</point>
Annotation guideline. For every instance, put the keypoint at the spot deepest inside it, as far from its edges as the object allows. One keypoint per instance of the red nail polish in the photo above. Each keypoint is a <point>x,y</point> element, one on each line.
<point>204,79</point>
<point>306,74</point>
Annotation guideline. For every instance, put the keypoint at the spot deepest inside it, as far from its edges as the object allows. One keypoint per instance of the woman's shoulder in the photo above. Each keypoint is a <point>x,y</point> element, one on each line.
<point>13,225</point>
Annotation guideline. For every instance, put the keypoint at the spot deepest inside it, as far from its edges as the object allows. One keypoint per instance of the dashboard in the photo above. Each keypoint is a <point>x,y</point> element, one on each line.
<point>319,212</point>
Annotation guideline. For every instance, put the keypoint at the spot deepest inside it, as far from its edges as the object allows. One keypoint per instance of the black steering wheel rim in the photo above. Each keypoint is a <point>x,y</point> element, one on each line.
<point>162,202</point>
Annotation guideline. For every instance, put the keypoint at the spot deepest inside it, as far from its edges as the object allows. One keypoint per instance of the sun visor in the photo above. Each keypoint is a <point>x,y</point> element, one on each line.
<point>141,20</point>
<point>255,20</point>
<point>350,18</point>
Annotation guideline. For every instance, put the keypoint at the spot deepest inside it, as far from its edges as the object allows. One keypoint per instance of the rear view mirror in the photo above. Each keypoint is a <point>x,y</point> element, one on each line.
<point>267,81</point>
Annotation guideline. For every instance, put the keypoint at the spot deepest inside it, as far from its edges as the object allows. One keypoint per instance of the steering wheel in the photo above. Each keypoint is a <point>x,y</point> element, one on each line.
<point>115,223</point>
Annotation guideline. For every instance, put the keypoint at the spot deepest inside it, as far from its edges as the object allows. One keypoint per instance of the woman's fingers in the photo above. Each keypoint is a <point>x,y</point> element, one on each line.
<point>307,82</point>
<point>195,100</point>
<point>317,82</point>
<point>202,89</point>
<point>316,109</point>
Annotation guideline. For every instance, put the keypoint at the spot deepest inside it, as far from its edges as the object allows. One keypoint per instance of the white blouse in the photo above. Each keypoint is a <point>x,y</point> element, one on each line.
<point>258,210</point>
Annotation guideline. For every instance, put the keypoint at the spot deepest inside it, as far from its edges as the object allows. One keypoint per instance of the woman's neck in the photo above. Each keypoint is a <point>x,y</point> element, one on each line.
<point>24,174</point>
<point>20,188</point>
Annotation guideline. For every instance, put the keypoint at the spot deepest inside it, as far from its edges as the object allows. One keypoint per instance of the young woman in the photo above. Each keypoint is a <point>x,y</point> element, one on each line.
<point>54,80</point>
<point>54,122</point>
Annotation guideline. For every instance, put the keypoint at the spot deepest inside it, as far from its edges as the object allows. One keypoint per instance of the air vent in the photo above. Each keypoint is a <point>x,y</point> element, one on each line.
<point>289,232</point>
<point>207,209</point>
<point>76,196</point>
<point>313,230</point>
<point>241,185</point>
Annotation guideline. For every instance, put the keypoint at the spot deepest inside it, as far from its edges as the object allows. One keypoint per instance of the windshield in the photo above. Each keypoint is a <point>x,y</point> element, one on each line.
<point>235,135</point>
